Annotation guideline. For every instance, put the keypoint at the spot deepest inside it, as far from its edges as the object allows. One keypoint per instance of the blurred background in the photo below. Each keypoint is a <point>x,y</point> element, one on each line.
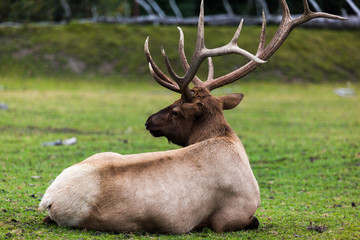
<point>67,38</point>
<point>66,10</point>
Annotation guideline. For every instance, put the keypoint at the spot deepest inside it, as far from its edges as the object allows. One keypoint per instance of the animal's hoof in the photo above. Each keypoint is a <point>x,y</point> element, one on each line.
<point>253,225</point>
<point>48,220</point>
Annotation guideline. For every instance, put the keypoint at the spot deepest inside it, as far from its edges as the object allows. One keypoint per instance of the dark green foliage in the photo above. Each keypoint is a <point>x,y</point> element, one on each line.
<point>117,50</point>
<point>30,10</point>
<point>42,10</point>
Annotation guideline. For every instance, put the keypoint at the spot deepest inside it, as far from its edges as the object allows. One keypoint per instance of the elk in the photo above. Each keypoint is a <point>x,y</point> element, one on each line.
<point>207,183</point>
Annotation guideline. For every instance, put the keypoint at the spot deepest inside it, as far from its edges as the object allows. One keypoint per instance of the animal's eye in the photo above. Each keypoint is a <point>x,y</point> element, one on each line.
<point>174,113</point>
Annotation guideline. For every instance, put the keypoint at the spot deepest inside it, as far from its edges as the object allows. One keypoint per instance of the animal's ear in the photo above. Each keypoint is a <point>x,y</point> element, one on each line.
<point>190,110</point>
<point>231,101</point>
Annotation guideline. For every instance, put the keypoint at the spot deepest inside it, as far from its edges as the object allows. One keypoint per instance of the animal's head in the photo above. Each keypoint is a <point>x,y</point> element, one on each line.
<point>197,109</point>
<point>182,119</point>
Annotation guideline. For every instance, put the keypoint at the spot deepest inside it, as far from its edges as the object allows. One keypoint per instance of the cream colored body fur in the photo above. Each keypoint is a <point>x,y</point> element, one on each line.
<point>206,184</point>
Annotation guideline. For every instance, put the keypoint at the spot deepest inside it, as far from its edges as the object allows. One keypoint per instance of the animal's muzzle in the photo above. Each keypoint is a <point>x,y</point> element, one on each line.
<point>153,130</point>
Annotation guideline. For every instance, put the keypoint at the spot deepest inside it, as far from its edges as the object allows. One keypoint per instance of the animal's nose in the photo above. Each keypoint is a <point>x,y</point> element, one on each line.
<point>147,123</point>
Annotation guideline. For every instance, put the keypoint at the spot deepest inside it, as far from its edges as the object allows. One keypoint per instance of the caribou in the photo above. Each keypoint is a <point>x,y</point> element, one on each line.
<point>207,183</point>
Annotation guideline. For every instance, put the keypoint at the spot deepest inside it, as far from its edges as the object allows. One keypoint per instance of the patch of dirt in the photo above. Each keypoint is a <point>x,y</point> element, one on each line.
<point>312,159</point>
<point>55,130</point>
<point>317,228</point>
<point>64,130</point>
<point>22,53</point>
<point>25,52</point>
<point>76,65</point>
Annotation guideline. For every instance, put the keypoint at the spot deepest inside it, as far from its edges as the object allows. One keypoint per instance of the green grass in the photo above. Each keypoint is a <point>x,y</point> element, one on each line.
<point>303,142</point>
<point>315,55</point>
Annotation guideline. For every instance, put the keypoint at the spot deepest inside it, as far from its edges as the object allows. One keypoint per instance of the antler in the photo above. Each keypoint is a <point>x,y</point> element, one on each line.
<point>286,26</point>
<point>200,53</point>
<point>181,84</point>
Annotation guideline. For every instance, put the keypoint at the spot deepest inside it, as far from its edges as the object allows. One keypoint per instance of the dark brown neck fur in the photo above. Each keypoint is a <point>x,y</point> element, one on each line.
<point>207,131</point>
<point>213,124</point>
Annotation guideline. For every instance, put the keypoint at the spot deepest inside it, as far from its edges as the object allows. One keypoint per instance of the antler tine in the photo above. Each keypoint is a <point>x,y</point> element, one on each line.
<point>285,11</point>
<point>171,71</point>
<point>200,33</point>
<point>261,46</point>
<point>211,69</point>
<point>183,59</point>
<point>183,85</point>
<point>156,73</point>
<point>236,36</point>
<point>308,15</point>
<point>232,47</point>
<point>163,83</point>
<point>286,26</point>
<point>306,7</point>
